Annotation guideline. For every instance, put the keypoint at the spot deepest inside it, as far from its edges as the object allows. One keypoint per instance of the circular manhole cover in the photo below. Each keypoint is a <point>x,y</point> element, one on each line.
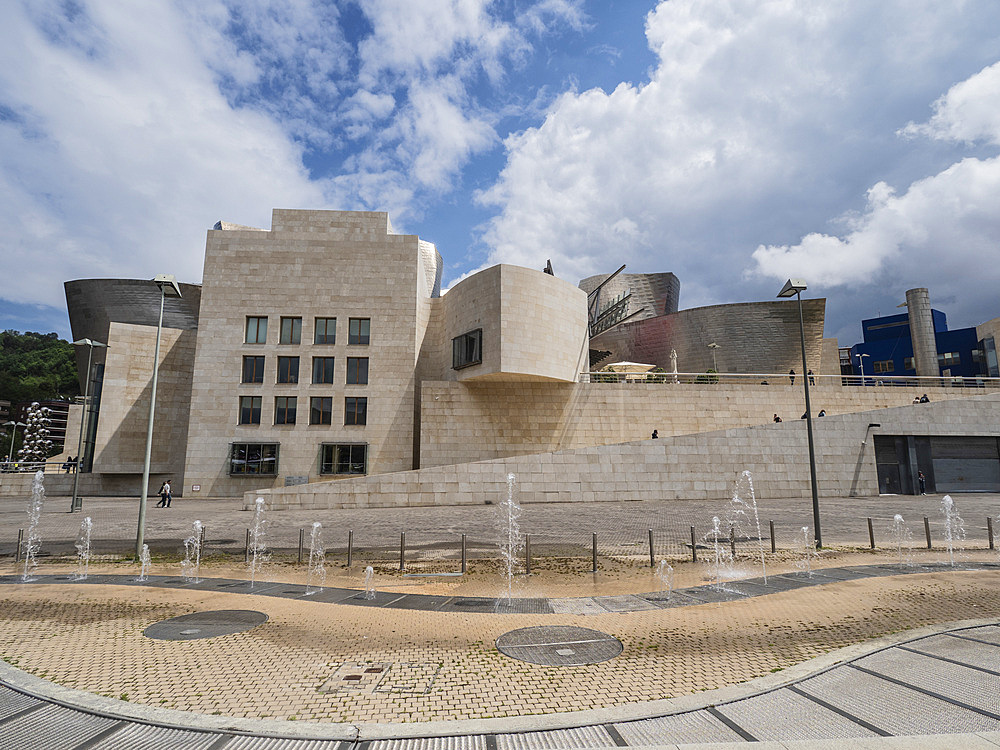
<point>559,645</point>
<point>205,624</point>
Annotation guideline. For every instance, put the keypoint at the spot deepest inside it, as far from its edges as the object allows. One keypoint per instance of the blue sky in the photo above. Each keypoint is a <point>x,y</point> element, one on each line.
<point>850,143</point>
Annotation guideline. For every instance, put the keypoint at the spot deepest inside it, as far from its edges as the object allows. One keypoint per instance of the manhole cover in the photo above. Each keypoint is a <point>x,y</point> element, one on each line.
<point>559,645</point>
<point>205,624</point>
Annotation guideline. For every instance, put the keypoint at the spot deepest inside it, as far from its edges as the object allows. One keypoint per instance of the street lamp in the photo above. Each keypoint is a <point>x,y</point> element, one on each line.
<point>713,346</point>
<point>77,503</point>
<point>861,366</point>
<point>168,287</point>
<point>13,434</point>
<point>796,287</point>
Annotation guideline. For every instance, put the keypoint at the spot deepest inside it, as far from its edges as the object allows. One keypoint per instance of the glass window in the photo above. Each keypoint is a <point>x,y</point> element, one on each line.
<point>284,409</point>
<point>359,331</point>
<point>288,369</point>
<point>357,370</point>
<point>326,331</point>
<point>349,458</point>
<point>908,363</point>
<point>467,349</point>
<point>256,330</point>
<point>949,359</point>
<point>321,410</point>
<point>249,409</point>
<point>291,331</point>
<point>253,369</point>
<point>322,370</point>
<point>253,458</point>
<point>356,410</point>
<point>883,366</point>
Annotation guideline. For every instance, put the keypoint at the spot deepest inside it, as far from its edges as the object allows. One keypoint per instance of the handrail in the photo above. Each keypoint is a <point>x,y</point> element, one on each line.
<point>771,378</point>
<point>23,467</point>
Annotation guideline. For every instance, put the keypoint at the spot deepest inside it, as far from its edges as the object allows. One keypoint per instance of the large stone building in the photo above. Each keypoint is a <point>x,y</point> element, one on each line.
<point>322,349</point>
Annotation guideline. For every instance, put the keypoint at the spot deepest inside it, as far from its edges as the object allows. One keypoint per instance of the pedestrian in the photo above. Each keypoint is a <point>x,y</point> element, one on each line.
<point>922,481</point>
<point>804,415</point>
<point>777,418</point>
<point>916,399</point>
<point>924,399</point>
<point>164,493</point>
<point>822,413</point>
<point>812,380</point>
<point>655,435</point>
<point>791,376</point>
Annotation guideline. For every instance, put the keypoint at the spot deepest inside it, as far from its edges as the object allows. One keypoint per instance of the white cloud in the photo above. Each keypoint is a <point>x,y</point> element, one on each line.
<point>967,113</point>
<point>760,123</point>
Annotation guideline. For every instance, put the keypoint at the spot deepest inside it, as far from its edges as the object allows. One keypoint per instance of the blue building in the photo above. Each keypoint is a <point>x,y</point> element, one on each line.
<point>888,348</point>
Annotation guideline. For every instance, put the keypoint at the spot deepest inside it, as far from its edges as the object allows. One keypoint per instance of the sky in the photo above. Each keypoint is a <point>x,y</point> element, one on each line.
<point>850,143</point>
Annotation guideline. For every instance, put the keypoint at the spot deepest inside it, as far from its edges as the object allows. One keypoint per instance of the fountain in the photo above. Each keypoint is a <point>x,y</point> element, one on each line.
<point>722,558</point>
<point>903,539</point>
<point>369,583</point>
<point>743,516</point>
<point>83,550</point>
<point>511,541</point>
<point>144,562</point>
<point>257,551</point>
<point>954,528</point>
<point>191,563</point>
<point>808,552</point>
<point>317,561</point>
<point>33,541</point>
<point>666,575</point>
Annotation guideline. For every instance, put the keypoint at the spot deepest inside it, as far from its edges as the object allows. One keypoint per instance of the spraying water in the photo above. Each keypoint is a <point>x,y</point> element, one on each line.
<point>83,550</point>
<point>317,561</point>
<point>33,541</point>
<point>666,575</point>
<point>369,583</point>
<point>722,559</point>
<point>903,539</point>
<point>954,528</point>
<point>258,549</point>
<point>743,515</point>
<point>192,555</point>
<point>808,551</point>
<point>144,562</point>
<point>510,541</point>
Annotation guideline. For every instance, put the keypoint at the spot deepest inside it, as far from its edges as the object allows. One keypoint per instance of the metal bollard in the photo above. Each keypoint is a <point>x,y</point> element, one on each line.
<point>871,533</point>
<point>652,558</point>
<point>20,543</point>
<point>302,534</point>
<point>927,531</point>
<point>246,548</point>
<point>732,541</point>
<point>694,547</point>
<point>402,551</point>
<point>464,556</point>
<point>527,554</point>
<point>350,548</point>
<point>774,547</point>
<point>593,554</point>
<point>203,540</point>
<point>989,530</point>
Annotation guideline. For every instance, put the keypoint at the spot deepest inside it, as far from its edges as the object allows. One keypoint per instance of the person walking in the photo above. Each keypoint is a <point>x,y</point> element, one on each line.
<point>164,493</point>
<point>791,376</point>
<point>812,380</point>
<point>922,481</point>
<point>776,419</point>
<point>655,435</point>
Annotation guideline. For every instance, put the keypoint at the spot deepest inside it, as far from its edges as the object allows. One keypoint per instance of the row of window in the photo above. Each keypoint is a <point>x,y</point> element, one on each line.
<point>883,366</point>
<point>324,330</point>
<point>262,458</point>
<point>322,370</point>
<point>320,410</point>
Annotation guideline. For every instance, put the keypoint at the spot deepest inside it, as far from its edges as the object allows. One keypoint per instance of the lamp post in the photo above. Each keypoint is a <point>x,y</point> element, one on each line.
<point>713,346</point>
<point>796,287</point>
<point>77,503</point>
<point>861,366</point>
<point>168,286</point>
<point>13,435</point>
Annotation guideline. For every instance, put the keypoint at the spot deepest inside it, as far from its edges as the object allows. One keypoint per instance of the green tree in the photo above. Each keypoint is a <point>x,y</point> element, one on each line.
<point>36,367</point>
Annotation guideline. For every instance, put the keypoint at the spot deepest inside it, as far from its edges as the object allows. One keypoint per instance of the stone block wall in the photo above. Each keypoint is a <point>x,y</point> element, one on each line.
<point>699,467</point>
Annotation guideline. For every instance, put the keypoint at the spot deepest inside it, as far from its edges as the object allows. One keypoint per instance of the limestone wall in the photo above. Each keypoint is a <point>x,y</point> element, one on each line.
<point>699,467</point>
<point>463,422</point>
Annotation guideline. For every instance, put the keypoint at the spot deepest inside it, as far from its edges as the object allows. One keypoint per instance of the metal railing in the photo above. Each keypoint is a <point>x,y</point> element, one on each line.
<point>771,378</point>
<point>49,467</point>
